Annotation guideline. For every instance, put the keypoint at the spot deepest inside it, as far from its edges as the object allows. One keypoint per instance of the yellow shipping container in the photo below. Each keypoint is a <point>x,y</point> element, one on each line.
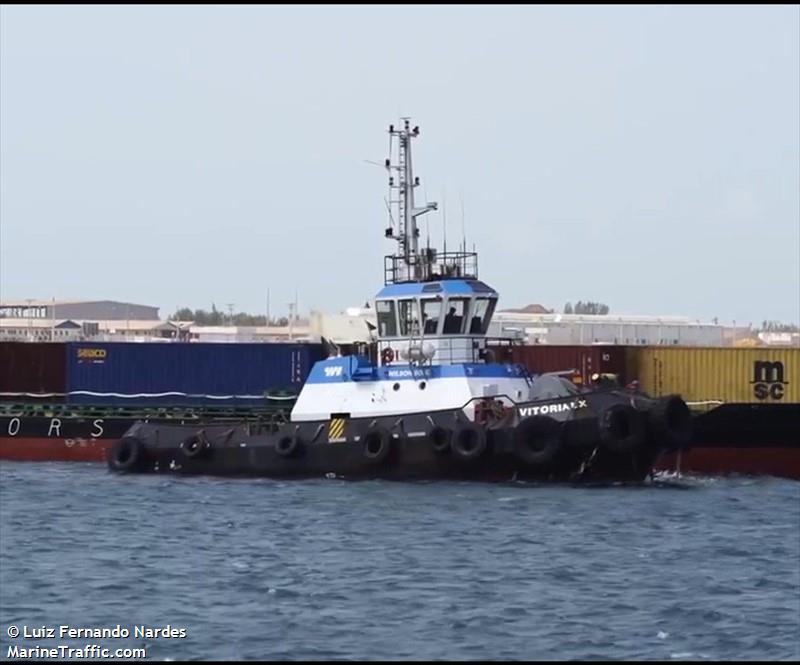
<point>751,375</point>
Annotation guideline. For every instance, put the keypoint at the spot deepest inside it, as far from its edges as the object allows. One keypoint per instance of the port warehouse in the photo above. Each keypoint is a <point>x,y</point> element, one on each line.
<point>206,373</point>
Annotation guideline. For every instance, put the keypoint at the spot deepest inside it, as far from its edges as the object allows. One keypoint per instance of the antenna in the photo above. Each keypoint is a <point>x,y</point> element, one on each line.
<point>402,182</point>
<point>463,224</point>
<point>427,222</point>
<point>428,233</point>
<point>389,210</point>
<point>444,224</point>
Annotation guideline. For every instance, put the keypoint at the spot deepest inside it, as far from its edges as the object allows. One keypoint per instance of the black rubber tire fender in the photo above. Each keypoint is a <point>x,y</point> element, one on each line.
<point>537,440</point>
<point>376,445</point>
<point>195,446</point>
<point>622,428</point>
<point>126,454</point>
<point>440,438</point>
<point>469,442</point>
<point>670,422</point>
<point>289,445</point>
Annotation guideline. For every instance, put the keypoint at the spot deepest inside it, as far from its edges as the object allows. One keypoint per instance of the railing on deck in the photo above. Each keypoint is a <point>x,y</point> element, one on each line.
<point>430,266</point>
<point>496,349</point>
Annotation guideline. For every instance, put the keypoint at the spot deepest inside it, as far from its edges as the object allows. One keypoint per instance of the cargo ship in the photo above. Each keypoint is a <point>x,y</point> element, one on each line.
<point>72,401</point>
<point>84,433</point>
<point>746,403</point>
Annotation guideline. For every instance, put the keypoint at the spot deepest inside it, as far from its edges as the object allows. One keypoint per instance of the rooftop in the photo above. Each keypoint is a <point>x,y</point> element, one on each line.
<point>445,287</point>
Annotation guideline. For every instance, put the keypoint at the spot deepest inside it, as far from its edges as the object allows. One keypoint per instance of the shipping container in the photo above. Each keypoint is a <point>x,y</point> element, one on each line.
<point>186,373</point>
<point>582,360</point>
<point>32,370</point>
<point>708,374</point>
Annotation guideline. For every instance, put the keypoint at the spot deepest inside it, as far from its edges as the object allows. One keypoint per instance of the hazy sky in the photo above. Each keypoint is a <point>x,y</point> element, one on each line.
<point>647,157</point>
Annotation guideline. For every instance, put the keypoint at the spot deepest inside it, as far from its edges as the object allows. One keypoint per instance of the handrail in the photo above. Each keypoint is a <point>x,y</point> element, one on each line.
<point>450,265</point>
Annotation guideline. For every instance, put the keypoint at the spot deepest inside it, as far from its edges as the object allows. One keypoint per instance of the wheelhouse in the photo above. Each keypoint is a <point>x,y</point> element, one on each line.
<point>446,315</point>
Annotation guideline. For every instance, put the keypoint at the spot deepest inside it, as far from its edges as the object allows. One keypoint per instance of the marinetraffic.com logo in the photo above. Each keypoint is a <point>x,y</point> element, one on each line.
<point>768,379</point>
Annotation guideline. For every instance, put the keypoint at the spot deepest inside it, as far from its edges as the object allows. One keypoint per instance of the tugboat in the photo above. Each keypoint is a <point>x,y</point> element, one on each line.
<point>430,401</point>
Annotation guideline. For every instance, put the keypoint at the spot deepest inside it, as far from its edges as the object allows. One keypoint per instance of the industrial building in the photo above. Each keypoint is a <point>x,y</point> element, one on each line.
<point>77,310</point>
<point>634,330</point>
<point>72,320</point>
<point>535,324</point>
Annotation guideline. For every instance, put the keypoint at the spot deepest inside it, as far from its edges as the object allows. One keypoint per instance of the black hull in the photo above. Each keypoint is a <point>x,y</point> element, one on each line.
<point>749,425</point>
<point>409,459</point>
<point>565,447</point>
<point>751,439</point>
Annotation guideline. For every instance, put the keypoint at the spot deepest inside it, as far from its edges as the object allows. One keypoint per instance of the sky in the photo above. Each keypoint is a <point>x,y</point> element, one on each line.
<point>645,157</point>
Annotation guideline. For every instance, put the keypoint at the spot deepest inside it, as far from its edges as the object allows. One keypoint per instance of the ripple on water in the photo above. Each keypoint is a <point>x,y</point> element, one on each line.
<point>685,568</point>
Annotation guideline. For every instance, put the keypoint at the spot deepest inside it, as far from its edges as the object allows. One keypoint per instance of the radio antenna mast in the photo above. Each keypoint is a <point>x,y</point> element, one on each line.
<point>401,193</point>
<point>444,224</point>
<point>463,225</point>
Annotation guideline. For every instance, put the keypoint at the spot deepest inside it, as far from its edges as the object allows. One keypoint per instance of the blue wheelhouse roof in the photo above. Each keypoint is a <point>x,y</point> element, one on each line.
<point>445,287</point>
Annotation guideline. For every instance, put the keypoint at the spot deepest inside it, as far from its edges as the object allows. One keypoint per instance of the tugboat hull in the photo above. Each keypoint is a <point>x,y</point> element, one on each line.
<point>594,442</point>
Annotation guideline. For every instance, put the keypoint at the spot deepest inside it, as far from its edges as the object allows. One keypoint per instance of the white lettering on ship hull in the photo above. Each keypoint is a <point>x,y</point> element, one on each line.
<point>14,425</point>
<point>403,373</point>
<point>55,424</point>
<point>551,408</point>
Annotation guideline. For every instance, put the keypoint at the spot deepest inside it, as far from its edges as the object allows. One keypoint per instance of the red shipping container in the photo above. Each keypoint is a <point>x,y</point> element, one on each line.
<point>30,369</point>
<point>582,360</point>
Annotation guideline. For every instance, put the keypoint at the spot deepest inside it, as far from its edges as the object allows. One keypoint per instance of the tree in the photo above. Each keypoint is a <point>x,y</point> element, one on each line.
<point>590,307</point>
<point>216,318</point>
<point>777,326</point>
<point>568,308</point>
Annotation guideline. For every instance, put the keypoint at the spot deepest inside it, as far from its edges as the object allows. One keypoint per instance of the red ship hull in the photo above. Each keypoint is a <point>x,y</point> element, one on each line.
<point>783,462</point>
<point>43,449</point>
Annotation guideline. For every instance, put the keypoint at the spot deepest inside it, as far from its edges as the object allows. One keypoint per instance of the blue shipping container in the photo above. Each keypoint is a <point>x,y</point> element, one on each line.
<point>187,373</point>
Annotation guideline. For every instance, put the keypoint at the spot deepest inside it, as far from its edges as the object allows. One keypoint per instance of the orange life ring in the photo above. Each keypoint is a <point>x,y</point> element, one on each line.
<point>387,355</point>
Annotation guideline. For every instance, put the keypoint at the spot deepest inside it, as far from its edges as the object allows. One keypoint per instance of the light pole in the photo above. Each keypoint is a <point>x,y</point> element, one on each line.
<point>28,310</point>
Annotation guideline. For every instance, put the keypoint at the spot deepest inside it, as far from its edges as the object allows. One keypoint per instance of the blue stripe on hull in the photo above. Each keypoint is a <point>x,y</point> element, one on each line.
<point>340,370</point>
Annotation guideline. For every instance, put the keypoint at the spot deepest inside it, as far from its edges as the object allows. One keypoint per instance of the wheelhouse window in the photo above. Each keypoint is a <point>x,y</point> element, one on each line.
<point>455,318</point>
<point>409,317</point>
<point>431,311</point>
<point>481,315</point>
<point>387,322</point>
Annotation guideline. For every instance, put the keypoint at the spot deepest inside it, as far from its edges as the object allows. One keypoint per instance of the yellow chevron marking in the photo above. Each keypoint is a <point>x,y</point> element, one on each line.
<point>336,429</point>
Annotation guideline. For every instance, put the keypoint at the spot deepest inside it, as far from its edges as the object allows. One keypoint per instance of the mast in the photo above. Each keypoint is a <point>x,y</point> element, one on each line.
<point>409,264</point>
